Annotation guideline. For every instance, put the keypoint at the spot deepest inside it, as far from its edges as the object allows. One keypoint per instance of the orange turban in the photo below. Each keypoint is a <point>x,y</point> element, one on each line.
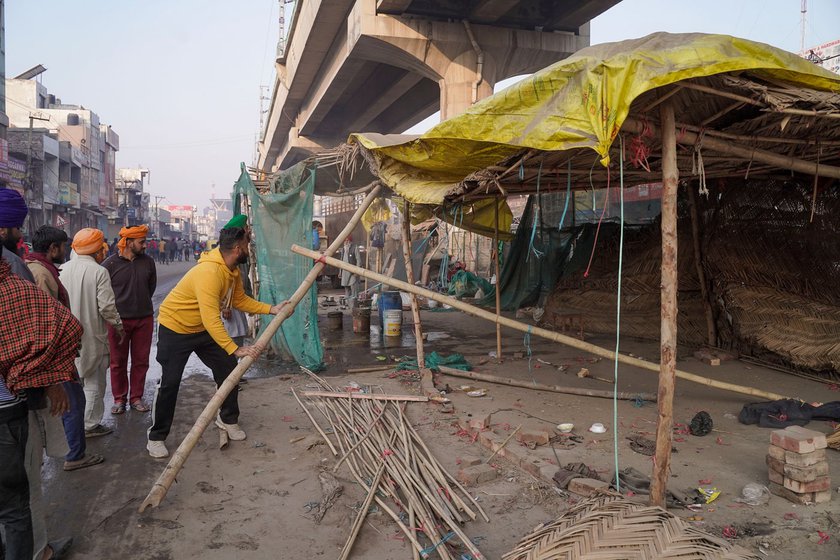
<point>88,241</point>
<point>135,232</point>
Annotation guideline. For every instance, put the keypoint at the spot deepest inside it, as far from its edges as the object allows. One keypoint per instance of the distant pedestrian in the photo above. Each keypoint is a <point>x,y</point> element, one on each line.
<point>134,279</point>
<point>190,321</point>
<point>92,302</point>
<point>187,250</point>
<point>49,249</point>
<point>162,250</point>
<point>13,211</point>
<point>171,250</point>
<point>112,248</point>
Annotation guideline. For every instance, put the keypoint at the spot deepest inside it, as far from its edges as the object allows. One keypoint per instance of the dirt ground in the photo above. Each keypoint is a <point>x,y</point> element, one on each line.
<point>256,499</point>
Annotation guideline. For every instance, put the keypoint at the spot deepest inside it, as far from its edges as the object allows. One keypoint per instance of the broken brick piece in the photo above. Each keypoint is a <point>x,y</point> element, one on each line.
<point>469,460</point>
<point>790,496</point>
<point>818,485</point>
<point>587,486</point>
<point>797,459</point>
<point>537,437</point>
<point>477,474</point>
<point>479,422</point>
<point>822,497</point>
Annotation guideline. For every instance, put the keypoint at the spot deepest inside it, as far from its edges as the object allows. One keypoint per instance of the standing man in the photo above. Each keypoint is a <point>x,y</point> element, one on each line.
<point>162,250</point>
<point>13,211</point>
<point>92,302</point>
<point>349,281</point>
<point>36,356</point>
<point>190,321</point>
<point>49,249</point>
<point>134,279</point>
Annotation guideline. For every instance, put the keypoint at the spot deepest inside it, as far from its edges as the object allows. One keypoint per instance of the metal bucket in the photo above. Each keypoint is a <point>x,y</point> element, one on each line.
<point>335,320</point>
<point>361,320</point>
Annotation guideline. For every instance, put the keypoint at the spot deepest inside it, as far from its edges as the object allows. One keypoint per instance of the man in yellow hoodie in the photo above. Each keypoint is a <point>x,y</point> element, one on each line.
<point>190,321</point>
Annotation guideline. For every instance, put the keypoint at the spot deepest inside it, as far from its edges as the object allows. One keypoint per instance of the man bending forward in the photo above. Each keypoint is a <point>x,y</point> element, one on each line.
<point>190,321</point>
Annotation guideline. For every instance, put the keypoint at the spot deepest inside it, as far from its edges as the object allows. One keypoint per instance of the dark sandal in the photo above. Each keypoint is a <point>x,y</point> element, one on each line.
<point>60,548</point>
<point>140,406</point>
<point>118,408</point>
<point>86,461</point>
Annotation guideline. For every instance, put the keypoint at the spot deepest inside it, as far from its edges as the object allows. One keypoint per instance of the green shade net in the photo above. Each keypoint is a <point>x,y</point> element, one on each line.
<point>526,278</point>
<point>435,360</point>
<point>280,219</point>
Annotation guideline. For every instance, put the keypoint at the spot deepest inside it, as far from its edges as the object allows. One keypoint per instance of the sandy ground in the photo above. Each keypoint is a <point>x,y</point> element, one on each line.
<point>254,499</point>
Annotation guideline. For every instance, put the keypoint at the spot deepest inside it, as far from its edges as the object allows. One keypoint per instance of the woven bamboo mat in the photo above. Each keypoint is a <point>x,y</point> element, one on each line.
<point>610,527</point>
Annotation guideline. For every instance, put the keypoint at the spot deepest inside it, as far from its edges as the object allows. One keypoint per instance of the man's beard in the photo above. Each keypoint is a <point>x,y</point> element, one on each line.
<point>242,259</point>
<point>11,244</point>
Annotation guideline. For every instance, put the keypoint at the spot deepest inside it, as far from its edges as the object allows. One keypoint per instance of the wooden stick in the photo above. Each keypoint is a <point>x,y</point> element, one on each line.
<point>711,331</point>
<point>360,518</point>
<point>498,280</point>
<point>504,443</point>
<point>541,387</point>
<point>367,396</point>
<point>314,423</point>
<point>369,369</point>
<point>668,336</point>
<point>538,331</point>
<point>167,477</point>
<point>409,275</point>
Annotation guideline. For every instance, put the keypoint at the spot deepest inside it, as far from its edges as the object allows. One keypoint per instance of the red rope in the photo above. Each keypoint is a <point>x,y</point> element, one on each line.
<point>598,229</point>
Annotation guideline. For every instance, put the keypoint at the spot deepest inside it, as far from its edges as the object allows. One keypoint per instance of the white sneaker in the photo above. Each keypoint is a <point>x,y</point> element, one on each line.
<point>234,432</point>
<point>157,449</point>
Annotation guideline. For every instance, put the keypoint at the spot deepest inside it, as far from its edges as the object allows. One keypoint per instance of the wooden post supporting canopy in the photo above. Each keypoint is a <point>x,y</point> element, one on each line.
<point>535,331</point>
<point>668,305</point>
<point>167,477</point>
<point>409,275</point>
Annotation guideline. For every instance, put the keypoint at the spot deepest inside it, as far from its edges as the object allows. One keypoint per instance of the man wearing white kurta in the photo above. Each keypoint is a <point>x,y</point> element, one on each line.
<point>92,302</point>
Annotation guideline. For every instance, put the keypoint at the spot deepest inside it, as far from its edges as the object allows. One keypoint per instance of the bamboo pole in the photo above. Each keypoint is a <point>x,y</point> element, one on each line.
<point>761,156</point>
<point>409,275</point>
<point>668,336</point>
<point>538,331</point>
<point>711,331</point>
<point>167,477</point>
<point>364,396</point>
<point>542,387</point>
<point>360,518</point>
<point>498,280</point>
<point>504,443</point>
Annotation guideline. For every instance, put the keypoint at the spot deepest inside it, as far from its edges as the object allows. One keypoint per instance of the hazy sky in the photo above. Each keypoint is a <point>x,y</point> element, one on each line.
<point>179,79</point>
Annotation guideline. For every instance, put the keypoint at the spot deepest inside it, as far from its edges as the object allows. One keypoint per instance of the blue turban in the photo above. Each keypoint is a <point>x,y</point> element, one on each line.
<point>13,209</point>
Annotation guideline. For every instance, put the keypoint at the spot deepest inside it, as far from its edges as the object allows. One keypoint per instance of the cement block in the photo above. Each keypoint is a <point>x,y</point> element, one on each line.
<point>587,486</point>
<point>477,474</point>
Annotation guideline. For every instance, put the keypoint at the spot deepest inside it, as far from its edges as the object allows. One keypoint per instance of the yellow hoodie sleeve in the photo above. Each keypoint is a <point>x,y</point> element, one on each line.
<point>244,303</point>
<point>207,293</point>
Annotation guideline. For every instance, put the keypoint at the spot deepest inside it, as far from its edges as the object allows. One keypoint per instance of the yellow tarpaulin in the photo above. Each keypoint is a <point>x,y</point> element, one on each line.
<point>579,102</point>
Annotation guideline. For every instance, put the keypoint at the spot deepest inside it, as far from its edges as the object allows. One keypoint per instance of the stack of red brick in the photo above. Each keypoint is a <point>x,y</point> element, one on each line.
<point>798,469</point>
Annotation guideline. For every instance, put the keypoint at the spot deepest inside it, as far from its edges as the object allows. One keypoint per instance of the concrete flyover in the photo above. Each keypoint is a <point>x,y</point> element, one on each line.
<point>385,65</point>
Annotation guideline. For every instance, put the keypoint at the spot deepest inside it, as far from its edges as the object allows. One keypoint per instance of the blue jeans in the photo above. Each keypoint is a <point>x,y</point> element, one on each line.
<point>15,516</point>
<point>74,421</point>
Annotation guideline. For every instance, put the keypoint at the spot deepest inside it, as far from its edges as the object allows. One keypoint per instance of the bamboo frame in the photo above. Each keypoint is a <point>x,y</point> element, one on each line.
<point>364,396</point>
<point>537,331</point>
<point>167,477</point>
<point>498,280</point>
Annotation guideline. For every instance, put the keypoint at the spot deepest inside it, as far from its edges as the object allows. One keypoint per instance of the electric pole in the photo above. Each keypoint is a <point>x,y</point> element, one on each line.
<point>157,215</point>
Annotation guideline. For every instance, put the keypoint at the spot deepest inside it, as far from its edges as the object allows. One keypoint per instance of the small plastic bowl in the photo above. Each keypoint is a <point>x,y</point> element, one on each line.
<point>565,428</point>
<point>597,428</point>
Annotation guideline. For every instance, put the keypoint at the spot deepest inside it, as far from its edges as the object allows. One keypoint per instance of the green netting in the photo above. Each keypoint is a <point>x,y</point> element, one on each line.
<point>435,360</point>
<point>278,220</point>
<point>530,272</point>
<point>464,283</point>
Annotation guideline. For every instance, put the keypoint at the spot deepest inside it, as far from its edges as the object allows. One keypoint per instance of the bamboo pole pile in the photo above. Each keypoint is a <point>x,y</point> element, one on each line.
<point>390,460</point>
